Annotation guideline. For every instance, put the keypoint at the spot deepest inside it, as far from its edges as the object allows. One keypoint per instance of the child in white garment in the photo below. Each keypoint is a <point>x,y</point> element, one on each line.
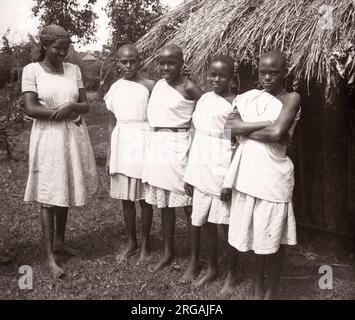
<point>128,131</point>
<point>170,110</point>
<point>261,174</point>
<point>209,160</point>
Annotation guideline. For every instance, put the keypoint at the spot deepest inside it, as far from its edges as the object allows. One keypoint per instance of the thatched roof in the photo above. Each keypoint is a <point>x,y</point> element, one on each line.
<point>89,58</point>
<point>308,31</point>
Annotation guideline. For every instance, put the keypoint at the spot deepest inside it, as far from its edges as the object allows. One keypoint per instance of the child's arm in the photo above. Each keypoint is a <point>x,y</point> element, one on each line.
<point>189,189</point>
<point>238,127</point>
<point>111,125</point>
<point>226,194</point>
<point>150,84</point>
<point>231,98</point>
<point>193,90</point>
<point>279,129</point>
<point>80,107</point>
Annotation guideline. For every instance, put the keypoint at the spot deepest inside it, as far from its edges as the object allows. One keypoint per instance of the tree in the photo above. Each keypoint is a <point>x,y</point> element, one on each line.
<point>78,21</point>
<point>13,57</point>
<point>131,19</point>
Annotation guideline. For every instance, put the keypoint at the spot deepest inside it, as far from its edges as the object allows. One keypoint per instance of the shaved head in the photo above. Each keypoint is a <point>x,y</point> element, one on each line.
<point>227,60</point>
<point>275,56</point>
<point>172,50</point>
<point>128,49</point>
<point>272,71</point>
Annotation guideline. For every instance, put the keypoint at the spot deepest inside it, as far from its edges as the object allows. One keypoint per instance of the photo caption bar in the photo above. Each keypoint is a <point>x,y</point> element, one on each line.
<point>165,310</point>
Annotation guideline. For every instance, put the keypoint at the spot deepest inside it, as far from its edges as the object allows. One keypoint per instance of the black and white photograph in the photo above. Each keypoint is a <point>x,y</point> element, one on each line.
<point>197,152</point>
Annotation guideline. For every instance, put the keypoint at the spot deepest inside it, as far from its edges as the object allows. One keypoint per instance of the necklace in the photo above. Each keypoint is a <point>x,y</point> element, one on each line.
<point>53,69</point>
<point>260,110</point>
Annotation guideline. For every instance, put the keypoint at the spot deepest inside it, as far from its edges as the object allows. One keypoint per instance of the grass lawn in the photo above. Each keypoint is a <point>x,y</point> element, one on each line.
<point>97,230</point>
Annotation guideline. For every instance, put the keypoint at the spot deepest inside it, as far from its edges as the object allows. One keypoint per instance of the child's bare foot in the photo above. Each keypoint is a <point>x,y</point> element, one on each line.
<point>229,285</point>
<point>129,252</point>
<point>191,273</point>
<point>5,260</point>
<point>271,294</point>
<point>144,256</point>
<point>163,263</point>
<point>259,291</point>
<point>62,248</point>
<point>56,271</point>
<point>207,279</point>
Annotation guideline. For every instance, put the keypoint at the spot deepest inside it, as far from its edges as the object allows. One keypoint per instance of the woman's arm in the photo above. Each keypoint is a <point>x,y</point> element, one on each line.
<point>80,107</point>
<point>111,125</point>
<point>238,127</point>
<point>34,109</point>
<point>279,129</point>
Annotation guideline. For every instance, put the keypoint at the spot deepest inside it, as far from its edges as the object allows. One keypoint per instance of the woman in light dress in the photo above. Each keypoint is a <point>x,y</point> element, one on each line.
<point>62,169</point>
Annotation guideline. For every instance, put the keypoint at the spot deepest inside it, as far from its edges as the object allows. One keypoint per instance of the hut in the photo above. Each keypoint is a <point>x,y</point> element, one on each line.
<point>318,38</point>
<point>89,59</point>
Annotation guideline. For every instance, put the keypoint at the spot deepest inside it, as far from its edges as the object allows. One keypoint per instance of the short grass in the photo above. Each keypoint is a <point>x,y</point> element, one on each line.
<point>97,230</point>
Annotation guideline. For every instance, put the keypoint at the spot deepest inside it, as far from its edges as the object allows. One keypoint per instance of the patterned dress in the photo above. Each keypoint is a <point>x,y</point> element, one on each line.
<point>62,168</point>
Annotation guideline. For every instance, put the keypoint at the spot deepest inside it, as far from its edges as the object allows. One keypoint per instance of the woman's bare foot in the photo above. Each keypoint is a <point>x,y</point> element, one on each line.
<point>56,271</point>
<point>207,279</point>
<point>5,260</point>
<point>191,273</point>
<point>163,263</point>
<point>62,248</point>
<point>129,252</point>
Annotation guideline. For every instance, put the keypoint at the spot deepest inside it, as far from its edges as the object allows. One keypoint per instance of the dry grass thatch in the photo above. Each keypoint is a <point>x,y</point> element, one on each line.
<point>308,31</point>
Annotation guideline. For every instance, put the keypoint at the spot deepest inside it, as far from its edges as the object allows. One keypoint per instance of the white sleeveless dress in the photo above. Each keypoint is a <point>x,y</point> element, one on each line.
<point>209,160</point>
<point>167,150</point>
<point>128,101</point>
<point>262,178</point>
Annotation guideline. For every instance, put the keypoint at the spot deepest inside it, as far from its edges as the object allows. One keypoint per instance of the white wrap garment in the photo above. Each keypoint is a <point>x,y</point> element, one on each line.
<point>128,100</point>
<point>167,151</point>
<point>262,170</point>
<point>210,154</point>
